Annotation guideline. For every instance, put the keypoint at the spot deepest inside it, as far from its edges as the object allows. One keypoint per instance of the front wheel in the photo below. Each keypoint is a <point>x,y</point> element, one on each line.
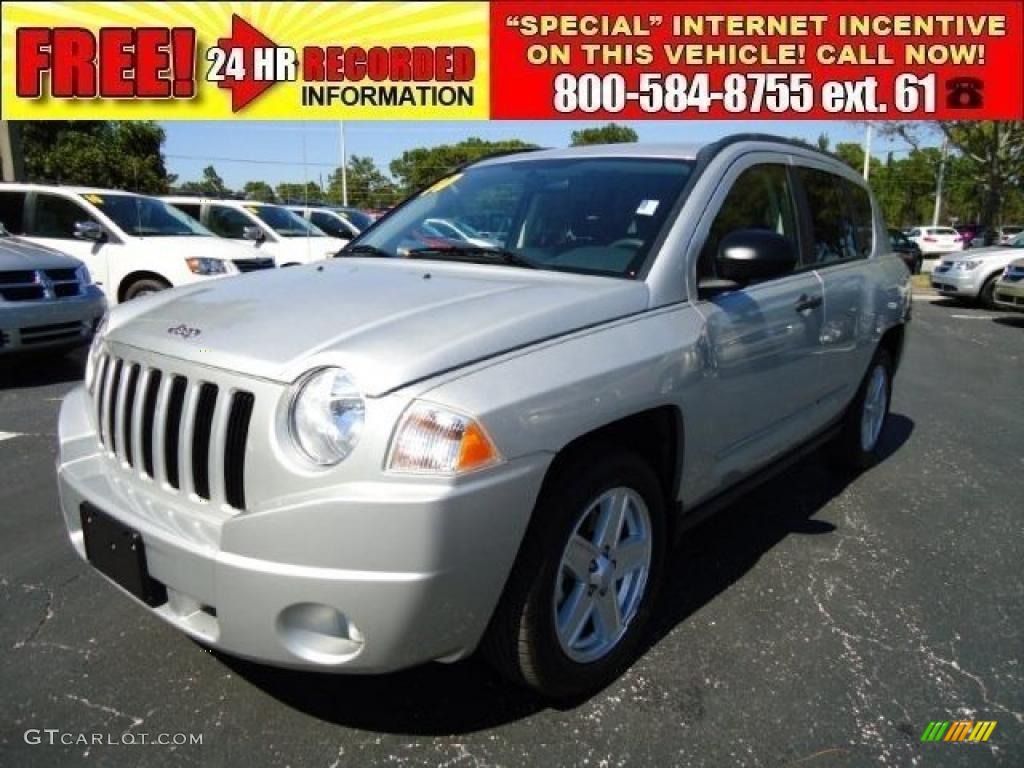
<point>856,446</point>
<point>581,590</point>
<point>987,297</point>
<point>144,287</point>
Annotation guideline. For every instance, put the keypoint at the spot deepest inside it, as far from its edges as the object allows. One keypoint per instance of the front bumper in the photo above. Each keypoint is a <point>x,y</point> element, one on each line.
<point>50,323</point>
<point>957,283</point>
<point>1009,294</point>
<point>441,552</point>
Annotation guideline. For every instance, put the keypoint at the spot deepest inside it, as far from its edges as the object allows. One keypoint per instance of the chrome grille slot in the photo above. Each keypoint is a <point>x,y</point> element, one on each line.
<point>38,284</point>
<point>186,434</point>
<point>234,448</point>
<point>201,433</point>
<point>172,432</point>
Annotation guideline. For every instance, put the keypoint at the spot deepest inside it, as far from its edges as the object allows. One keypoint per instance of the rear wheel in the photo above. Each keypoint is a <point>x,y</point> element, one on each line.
<point>856,446</point>
<point>581,590</point>
<point>144,287</point>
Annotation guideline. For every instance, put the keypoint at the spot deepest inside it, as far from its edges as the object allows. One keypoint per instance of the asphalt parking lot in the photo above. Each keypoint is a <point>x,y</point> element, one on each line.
<point>820,621</point>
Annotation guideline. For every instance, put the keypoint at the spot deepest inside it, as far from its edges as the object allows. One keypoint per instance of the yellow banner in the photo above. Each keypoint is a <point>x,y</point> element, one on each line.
<point>253,60</point>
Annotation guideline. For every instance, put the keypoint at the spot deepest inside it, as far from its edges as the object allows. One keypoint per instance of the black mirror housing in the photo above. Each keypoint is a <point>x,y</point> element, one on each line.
<point>754,254</point>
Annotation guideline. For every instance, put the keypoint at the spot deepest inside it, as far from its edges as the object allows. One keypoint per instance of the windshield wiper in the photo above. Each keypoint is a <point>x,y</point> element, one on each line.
<point>365,250</point>
<point>473,254</point>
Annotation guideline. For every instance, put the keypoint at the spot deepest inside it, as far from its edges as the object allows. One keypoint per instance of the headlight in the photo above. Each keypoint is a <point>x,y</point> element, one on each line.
<point>202,266</point>
<point>433,440</point>
<point>94,350</point>
<point>83,277</point>
<point>326,416</point>
<point>967,266</point>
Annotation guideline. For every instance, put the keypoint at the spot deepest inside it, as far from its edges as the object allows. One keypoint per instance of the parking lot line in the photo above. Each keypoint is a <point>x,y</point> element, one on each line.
<point>9,435</point>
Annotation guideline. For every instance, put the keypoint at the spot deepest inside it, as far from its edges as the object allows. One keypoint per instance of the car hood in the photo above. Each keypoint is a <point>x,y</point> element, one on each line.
<point>993,253</point>
<point>17,254</point>
<point>388,322</point>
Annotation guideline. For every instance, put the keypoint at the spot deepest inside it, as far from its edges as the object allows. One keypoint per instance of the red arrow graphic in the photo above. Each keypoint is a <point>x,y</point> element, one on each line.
<point>246,38</point>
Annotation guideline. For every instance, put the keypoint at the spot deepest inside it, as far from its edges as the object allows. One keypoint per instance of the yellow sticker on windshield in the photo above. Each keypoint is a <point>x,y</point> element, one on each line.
<point>445,182</point>
<point>94,199</point>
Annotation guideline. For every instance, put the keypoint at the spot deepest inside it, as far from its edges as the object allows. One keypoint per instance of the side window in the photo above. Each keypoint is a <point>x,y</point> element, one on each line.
<point>12,211</point>
<point>56,216</point>
<point>329,224</point>
<point>228,222</point>
<point>760,198</point>
<point>832,228</point>
<point>189,209</point>
<point>863,220</point>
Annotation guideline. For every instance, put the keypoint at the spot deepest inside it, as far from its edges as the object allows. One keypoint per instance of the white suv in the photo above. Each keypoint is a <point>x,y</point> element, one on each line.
<point>270,230</point>
<point>936,240</point>
<point>132,244</point>
<point>332,222</point>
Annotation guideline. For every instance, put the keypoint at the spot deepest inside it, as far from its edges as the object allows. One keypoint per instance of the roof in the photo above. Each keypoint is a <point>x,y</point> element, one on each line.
<point>68,188</point>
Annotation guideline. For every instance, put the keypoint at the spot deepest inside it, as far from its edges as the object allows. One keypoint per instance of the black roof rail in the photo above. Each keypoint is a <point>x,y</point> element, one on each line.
<point>718,145</point>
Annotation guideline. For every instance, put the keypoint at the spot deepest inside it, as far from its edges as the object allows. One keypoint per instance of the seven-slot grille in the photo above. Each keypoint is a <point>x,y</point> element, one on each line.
<point>190,434</point>
<point>38,284</point>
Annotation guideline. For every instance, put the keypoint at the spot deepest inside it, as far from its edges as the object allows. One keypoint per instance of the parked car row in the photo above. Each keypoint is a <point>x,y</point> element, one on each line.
<point>68,252</point>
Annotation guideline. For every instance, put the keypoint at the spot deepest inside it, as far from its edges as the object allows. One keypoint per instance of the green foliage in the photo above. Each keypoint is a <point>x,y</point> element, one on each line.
<point>120,154</point>
<point>258,190</point>
<point>300,193</point>
<point>418,168</point>
<point>368,187</point>
<point>211,185</point>
<point>612,133</point>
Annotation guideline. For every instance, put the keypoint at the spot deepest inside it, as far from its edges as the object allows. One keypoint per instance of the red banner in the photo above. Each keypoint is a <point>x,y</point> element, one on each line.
<point>763,60</point>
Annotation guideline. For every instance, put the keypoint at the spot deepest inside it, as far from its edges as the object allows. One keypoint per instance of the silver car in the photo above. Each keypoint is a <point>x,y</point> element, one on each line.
<point>973,275</point>
<point>383,460</point>
<point>48,301</point>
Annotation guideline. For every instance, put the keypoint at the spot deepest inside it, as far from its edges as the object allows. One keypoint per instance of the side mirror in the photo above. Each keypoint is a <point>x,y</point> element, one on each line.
<point>89,230</point>
<point>253,233</point>
<point>754,254</point>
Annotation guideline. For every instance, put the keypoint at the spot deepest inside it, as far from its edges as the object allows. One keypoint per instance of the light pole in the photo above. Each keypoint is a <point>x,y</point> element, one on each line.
<point>941,181</point>
<point>344,163</point>
<point>867,152</point>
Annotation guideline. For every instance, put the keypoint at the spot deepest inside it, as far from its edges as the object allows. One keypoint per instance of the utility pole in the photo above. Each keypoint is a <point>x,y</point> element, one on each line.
<point>344,163</point>
<point>867,152</point>
<point>12,162</point>
<point>941,181</point>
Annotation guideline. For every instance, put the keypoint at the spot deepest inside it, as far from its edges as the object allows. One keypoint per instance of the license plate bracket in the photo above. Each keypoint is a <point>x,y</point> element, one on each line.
<point>117,551</point>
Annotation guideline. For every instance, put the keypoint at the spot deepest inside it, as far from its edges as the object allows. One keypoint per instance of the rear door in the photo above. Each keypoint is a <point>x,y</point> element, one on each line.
<point>51,222</point>
<point>840,226</point>
<point>762,340</point>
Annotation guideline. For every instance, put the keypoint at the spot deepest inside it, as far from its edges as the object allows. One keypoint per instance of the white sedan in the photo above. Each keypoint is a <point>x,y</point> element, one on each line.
<point>936,240</point>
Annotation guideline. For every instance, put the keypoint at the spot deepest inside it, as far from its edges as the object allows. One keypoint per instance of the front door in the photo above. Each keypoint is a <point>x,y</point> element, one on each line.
<point>52,223</point>
<point>762,342</point>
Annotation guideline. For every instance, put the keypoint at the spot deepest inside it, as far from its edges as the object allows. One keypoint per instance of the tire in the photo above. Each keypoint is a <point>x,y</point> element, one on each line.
<point>856,446</point>
<point>523,641</point>
<point>143,287</point>
<point>986,298</point>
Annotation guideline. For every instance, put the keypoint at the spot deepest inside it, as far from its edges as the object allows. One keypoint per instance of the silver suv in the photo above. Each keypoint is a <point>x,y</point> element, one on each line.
<point>430,445</point>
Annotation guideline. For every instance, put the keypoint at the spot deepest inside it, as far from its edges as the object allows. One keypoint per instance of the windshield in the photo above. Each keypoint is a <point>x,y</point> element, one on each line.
<point>146,216</point>
<point>358,218</point>
<point>284,222</point>
<point>588,215</point>
<point>1018,242</point>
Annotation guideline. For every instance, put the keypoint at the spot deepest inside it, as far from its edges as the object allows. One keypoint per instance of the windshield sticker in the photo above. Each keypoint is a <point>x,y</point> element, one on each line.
<point>445,182</point>
<point>94,199</point>
<point>647,208</point>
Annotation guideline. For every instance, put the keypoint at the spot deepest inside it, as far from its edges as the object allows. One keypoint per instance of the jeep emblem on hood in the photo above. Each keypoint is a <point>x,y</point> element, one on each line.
<point>184,331</point>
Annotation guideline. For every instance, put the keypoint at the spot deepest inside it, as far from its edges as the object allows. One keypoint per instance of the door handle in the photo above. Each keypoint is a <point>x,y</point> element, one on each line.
<point>806,302</point>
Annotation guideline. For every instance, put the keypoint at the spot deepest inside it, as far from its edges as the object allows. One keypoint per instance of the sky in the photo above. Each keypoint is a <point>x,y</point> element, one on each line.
<point>244,151</point>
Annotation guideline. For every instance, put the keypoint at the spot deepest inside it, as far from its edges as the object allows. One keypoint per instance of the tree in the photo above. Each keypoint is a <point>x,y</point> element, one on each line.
<point>211,185</point>
<point>992,151</point>
<point>367,186</point>
<point>300,193</point>
<point>612,133</point>
<point>258,190</point>
<point>120,154</point>
<point>418,168</point>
